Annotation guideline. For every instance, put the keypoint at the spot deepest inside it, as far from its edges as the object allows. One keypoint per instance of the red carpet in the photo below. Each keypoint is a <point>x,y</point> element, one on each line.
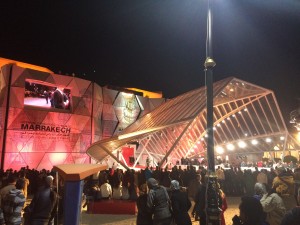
<point>112,207</point>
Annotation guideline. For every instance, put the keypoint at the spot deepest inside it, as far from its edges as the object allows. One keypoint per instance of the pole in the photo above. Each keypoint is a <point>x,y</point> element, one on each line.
<point>213,211</point>
<point>72,202</point>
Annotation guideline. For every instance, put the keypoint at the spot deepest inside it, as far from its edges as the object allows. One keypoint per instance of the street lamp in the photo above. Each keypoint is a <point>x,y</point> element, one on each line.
<point>213,211</point>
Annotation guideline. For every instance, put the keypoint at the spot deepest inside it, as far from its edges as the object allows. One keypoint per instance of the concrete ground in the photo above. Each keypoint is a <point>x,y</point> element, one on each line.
<point>97,219</point>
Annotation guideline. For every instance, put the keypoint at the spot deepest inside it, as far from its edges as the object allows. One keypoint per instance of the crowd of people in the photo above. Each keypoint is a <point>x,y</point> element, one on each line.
<point>162,196</point>
<point>275,190</point>
<point>17,186</point>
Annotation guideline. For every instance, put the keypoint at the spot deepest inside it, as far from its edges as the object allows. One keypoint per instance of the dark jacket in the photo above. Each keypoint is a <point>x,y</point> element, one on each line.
<point>200,203</point>
<point>180,206</point>
<point>43,204</point>
<point>200,200</point>
<point>144,217</point>
<point>158,203</point>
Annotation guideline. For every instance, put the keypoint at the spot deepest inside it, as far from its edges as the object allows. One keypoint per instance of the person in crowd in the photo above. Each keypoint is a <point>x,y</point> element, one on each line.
<point>297,184</point>
<point>144,217</point>
<point>125,192</point>
<point>26,182</point>
<point>158,202</point>
<point>42,207</point>
<point>180,204</point>
<point>271,175</point>
<point>117,190</point>
<point>223,207</point>
<point>273,206</point>
<point>199,207</point>
<point>11,184</point>
<point>13,204</point>
<point>249,182</point>
<point>2,221</point>
<point>262,177</point>
<point>132,190</point>
<point>106,191</point>
<point>283,184</point>
<point>239,182</point>
<point>251,212</point>
<point>148,173</point>
<point>221,177</point>
<point>193,187</point>
<point>292,217</point>
<point>91,190</point>
<point>259,190</point>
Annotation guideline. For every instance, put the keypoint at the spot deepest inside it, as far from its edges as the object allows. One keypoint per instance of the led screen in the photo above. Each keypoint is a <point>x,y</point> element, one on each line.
<point>46,95</point>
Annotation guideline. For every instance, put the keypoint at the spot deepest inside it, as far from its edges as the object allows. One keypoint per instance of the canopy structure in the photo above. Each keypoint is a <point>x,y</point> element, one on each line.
<point>247,119</point>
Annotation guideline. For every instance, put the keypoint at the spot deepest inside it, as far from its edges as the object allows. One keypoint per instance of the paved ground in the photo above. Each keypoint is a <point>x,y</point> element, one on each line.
<point>97,219</point>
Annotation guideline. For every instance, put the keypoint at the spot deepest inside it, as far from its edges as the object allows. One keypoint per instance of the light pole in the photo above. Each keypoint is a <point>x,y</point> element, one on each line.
<point>212,193</point>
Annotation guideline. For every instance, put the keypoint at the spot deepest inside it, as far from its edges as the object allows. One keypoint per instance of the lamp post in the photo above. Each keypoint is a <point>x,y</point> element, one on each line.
<point>212,197</point>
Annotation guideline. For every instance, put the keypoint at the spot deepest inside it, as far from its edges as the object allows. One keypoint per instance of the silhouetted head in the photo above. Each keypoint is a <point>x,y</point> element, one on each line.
<point>251,210</point>
<point>175,185</point>
<point>20,184</point>
<point>152,183</point>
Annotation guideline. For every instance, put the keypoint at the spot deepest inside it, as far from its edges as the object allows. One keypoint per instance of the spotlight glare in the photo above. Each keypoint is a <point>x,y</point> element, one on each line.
<point>242,144</point>
<point>219,150</point>
<point>230,147</point>
<point>254,142</point>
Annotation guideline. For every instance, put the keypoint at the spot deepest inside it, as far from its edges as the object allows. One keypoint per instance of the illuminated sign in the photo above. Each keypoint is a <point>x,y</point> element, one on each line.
<point>47,128</point>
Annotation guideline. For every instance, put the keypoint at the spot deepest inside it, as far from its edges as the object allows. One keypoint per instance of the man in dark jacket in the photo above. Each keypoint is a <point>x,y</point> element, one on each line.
<point>180,204</point>
<point>159,203</point>
<point>200,200</point>
<point>43,204</point>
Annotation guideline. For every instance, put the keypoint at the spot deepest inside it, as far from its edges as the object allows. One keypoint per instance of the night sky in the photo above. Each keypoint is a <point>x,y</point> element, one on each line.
<point>159,45</point>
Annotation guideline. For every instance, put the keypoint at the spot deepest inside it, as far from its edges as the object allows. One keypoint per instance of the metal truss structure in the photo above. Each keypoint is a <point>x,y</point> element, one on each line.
<point>247,119</point>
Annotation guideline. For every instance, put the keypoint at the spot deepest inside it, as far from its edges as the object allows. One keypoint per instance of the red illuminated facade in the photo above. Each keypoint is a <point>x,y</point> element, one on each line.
<point>34,133</point>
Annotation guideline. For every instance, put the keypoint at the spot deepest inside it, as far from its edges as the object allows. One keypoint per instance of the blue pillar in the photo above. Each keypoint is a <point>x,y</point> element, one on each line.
<point>72,202</point>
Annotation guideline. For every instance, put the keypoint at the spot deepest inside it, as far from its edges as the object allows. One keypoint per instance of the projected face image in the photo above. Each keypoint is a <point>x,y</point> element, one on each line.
<point>44,95</point>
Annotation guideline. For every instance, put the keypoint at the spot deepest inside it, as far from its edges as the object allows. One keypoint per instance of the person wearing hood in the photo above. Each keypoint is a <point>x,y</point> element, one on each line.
<point>180,204</point>
<point>259,190</point>
<point>273,206</point>
<point>158,202</point>
<point>283,184</point>
<point>13,204</point>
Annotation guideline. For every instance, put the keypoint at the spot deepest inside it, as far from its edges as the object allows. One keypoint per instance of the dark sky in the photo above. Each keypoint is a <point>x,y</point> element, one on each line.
<point>159,45</point>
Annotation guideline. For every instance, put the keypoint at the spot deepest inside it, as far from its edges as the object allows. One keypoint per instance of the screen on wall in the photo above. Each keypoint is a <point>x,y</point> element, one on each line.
<point>45,95</point>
